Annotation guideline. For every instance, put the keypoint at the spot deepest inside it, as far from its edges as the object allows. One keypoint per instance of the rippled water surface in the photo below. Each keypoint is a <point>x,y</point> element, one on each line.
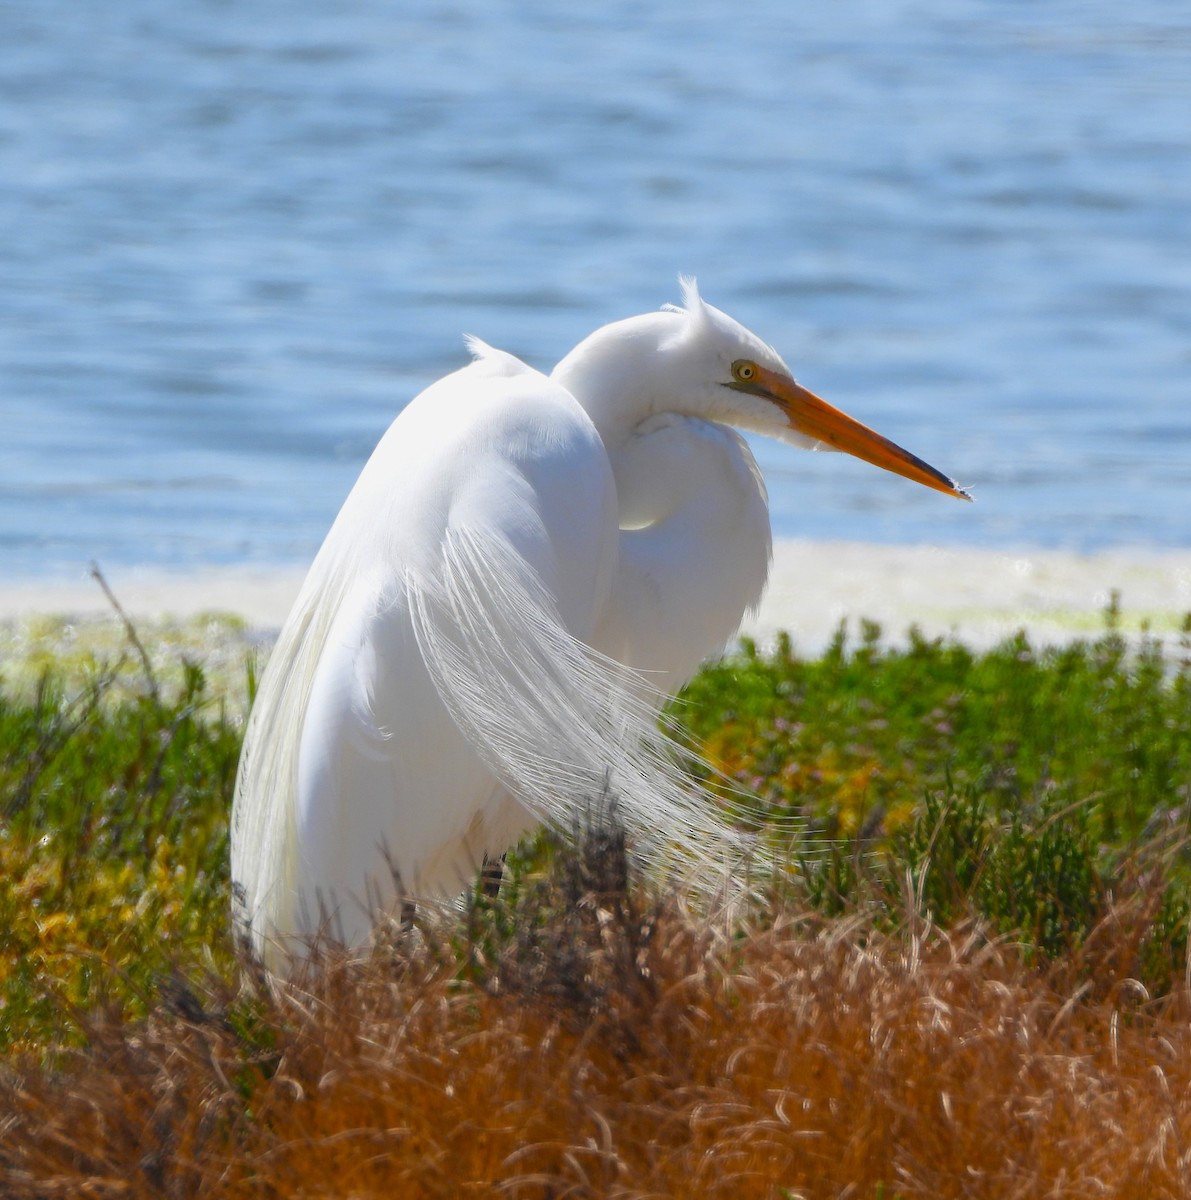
<point>236,238</point>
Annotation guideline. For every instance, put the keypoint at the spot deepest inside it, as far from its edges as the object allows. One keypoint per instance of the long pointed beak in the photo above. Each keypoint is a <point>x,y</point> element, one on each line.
<point>815,418</point>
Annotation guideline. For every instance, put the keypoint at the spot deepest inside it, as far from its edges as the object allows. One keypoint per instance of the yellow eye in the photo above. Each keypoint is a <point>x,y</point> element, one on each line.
<point>744,371</point>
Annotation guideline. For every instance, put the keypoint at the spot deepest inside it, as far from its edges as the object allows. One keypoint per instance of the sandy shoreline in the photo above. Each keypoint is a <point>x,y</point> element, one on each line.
<point>978,595</point>
<point>981,596</point>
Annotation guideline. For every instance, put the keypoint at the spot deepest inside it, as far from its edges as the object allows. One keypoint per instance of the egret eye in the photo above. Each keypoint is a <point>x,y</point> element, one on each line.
<point>744,371</point>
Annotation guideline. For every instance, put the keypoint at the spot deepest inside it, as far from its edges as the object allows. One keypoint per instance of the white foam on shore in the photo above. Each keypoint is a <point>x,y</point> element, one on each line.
<point>980,596</point>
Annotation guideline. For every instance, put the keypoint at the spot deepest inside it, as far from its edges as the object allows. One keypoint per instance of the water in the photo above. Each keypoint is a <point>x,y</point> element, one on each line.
<point>236,238</point>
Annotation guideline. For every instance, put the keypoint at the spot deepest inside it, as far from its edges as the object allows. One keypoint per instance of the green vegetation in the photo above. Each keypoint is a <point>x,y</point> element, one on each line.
<point>1032,791</point>
<point>1027,788</point>
<point>113,847</point>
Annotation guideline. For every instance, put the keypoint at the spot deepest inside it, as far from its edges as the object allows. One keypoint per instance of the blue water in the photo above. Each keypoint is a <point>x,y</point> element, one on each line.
<point>235,238</point>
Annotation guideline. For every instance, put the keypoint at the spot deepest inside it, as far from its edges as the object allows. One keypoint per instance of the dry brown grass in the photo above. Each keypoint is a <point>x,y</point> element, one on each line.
<point>593,1044</point>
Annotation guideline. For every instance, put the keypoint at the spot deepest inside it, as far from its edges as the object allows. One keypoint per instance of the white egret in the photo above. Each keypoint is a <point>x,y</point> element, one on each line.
<point>526,566</point>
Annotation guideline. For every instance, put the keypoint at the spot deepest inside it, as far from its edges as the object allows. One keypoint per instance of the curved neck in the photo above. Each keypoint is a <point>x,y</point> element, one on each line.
<point>613,375</point>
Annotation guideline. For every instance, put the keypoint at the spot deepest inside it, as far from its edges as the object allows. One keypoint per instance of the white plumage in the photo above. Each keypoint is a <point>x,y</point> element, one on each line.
<point>526,566</point>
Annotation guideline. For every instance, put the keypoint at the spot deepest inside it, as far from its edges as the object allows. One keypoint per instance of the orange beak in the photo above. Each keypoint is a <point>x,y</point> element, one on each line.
<point>815,418</point>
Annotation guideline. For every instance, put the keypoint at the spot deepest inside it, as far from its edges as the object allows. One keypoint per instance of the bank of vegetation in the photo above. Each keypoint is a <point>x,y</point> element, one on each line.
<point>971,982</point>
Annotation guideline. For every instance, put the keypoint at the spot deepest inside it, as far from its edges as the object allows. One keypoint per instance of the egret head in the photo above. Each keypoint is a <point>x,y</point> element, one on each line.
<point>748,385</point>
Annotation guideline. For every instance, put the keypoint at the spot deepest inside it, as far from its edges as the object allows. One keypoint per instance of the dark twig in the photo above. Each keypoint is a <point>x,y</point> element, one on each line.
<point>130,629</point>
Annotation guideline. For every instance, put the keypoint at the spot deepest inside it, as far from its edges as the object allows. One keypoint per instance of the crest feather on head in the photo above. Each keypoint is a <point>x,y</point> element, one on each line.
<point>692,303</point>
<point>693,308</point>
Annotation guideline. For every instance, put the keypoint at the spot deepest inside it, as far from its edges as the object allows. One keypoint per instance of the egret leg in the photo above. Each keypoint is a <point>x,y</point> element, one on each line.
<point>492,874</point>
